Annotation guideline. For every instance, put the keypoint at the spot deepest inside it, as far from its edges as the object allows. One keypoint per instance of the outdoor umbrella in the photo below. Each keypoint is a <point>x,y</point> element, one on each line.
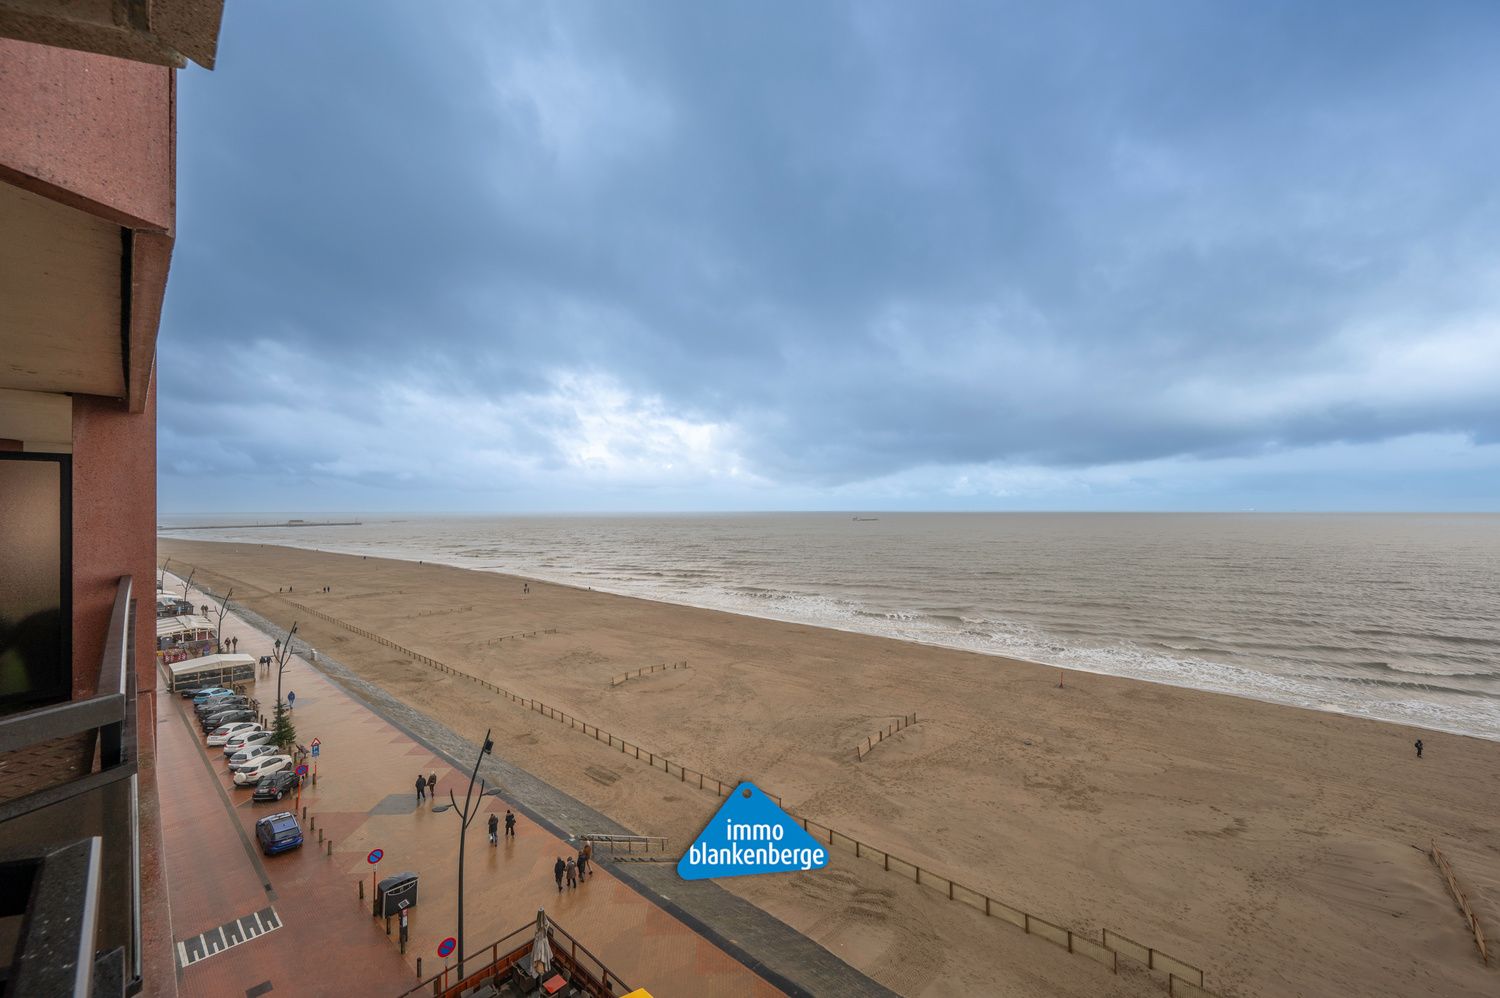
<point>541,946</point>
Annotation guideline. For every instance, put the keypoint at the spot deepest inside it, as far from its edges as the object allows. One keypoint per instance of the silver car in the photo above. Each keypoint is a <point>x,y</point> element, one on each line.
<point>246,756</point>
<point>248,739</point>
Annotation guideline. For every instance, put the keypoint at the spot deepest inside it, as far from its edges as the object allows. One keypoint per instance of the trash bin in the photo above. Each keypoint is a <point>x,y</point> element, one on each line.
<point>394,894</point>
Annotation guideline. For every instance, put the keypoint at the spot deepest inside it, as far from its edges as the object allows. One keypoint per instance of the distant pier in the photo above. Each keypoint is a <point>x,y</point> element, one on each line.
<point>284,523</point>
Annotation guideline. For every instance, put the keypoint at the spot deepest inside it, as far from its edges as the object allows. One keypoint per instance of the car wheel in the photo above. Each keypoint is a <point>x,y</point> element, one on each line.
<point>279,795</point>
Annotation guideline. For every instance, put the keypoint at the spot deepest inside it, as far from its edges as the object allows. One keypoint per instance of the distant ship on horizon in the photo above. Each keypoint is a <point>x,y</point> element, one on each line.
<point>865,519</point>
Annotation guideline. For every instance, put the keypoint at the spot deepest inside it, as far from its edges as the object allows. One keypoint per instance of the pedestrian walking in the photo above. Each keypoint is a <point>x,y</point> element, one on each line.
<point>494,829</point>
<point>236,642</point>
<point>572,873</point>
<point>1419,748</point>
<point>583,865</point>
<point>558,869</point>
<point>432,785</point>
<point>421,788</point>
<point>510,824</point>
<point>588,854</point>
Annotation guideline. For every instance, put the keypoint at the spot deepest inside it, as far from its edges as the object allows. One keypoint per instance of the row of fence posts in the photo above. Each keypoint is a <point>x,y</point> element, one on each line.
<point>902,723</point>
<point>646,671</point>
<point>1182,977</point>
<point>1462,899</point>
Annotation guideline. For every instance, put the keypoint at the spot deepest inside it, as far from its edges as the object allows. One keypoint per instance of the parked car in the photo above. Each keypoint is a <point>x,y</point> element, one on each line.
<point>195,692</point>
<point>214,704</point>
<point>278,833</point>
<point>248,739</point>
<point>250,753</point>
<point>221,734</point>
<point>277,785</point>
<point>227,717</point>
<point>248,774</point>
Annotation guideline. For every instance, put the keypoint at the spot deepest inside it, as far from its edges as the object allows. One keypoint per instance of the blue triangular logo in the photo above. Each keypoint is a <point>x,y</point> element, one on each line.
<point>750,834</point>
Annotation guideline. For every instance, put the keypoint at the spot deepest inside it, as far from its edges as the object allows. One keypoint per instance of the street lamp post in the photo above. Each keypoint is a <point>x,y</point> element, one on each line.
<point>283,652</point>
<point>223,609</point>
<point>466,815</point>
<point>188,583</point>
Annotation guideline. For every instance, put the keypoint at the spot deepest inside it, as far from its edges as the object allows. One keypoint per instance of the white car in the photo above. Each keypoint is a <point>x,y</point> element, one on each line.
<point>246,739</point>
<point>249,754</point>
<point>224,732</point>
<point>250,773</point>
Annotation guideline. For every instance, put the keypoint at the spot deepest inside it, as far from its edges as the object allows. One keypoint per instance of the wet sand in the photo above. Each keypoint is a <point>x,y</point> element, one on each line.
<point>1278,849</point>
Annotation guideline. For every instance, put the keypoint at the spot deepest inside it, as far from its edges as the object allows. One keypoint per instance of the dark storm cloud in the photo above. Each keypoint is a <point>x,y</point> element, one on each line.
<point>866,237</point>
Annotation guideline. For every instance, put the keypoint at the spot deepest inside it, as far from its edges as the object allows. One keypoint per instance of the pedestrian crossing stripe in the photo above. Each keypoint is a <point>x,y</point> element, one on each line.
<point>226,936</point>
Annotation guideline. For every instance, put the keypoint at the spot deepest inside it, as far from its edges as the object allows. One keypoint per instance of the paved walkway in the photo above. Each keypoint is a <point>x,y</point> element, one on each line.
<point>794,963</point>
<point>301,926</point>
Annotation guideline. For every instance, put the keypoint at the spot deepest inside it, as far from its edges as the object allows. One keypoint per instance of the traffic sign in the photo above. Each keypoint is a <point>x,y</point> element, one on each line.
<point>374,856</point>
<point>302,769</point>
<point>446,946</point>
<point>316,742</point>
<point>315,748</point>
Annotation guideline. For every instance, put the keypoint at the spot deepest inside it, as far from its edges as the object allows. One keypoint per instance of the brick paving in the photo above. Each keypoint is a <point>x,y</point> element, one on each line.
<point>365,799</point>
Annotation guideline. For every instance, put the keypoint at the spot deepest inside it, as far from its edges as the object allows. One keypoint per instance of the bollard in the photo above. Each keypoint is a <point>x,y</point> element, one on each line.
<point>330,852</point>
<point>320,836</point>
<point>387,925</point>
<point>304,812</point>
<point>361,881</point>
<point>315,777</point>
<point>419,968</point>
<point>312,823</point>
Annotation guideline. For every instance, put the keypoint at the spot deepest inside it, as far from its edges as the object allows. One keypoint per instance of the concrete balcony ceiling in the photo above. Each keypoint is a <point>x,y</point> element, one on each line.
<point>61,305</point>
<point>162,32</point>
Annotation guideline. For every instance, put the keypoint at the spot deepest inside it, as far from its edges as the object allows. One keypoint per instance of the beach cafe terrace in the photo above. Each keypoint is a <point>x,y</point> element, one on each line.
<point>508,967</point>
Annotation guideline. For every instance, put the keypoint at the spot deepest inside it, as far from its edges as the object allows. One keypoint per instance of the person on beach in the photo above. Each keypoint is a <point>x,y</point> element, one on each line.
<point>432,785</point>
<point>510,824</point>
<point>572,873</point>
<point>494,829</point>
<point>421,788</point>
<point>558,869</point>
<point>1419,748</point>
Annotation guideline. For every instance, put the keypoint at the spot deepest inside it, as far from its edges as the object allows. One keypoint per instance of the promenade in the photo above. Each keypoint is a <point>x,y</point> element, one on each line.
<point>294,923</point>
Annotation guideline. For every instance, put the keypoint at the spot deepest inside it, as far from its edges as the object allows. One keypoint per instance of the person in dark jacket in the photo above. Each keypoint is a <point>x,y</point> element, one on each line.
<point>421,788</point>
<point>432,785</point>
<point>494,829</point>
<point>510,824</point>
<point>558,869</point>
<point>583,865</point>
<point>572,868</point>
<point>1419,748</point>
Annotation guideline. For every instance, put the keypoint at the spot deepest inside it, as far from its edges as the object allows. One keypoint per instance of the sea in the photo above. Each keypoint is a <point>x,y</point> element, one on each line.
<point>1390,616</point>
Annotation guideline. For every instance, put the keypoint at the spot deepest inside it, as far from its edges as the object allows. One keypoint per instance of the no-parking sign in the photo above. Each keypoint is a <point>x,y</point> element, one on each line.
<point>374,856</point>
<point>446,946</point>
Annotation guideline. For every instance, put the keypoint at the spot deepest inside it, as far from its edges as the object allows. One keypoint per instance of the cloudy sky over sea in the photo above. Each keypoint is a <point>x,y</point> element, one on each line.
<point>1156,255</point>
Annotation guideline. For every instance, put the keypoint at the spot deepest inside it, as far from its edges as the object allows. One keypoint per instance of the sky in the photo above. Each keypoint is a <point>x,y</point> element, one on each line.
<point>519,257</point>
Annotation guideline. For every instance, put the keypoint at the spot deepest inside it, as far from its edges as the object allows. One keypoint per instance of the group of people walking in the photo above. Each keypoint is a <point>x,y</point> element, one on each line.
<point>510,826</point>
<point>574,870</point>
<point>426,786</point>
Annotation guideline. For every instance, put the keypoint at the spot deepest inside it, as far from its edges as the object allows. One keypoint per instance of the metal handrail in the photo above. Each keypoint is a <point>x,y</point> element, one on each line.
<point>442,982</point>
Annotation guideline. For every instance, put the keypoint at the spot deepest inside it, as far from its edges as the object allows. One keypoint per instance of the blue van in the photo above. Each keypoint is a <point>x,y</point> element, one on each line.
<point>278,833</point>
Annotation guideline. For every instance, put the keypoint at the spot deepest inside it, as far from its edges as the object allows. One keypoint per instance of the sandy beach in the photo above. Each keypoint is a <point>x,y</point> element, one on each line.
<point>1281,850</point>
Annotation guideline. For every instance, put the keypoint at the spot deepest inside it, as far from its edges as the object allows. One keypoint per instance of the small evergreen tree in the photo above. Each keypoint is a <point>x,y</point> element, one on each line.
<point>282,729</point>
